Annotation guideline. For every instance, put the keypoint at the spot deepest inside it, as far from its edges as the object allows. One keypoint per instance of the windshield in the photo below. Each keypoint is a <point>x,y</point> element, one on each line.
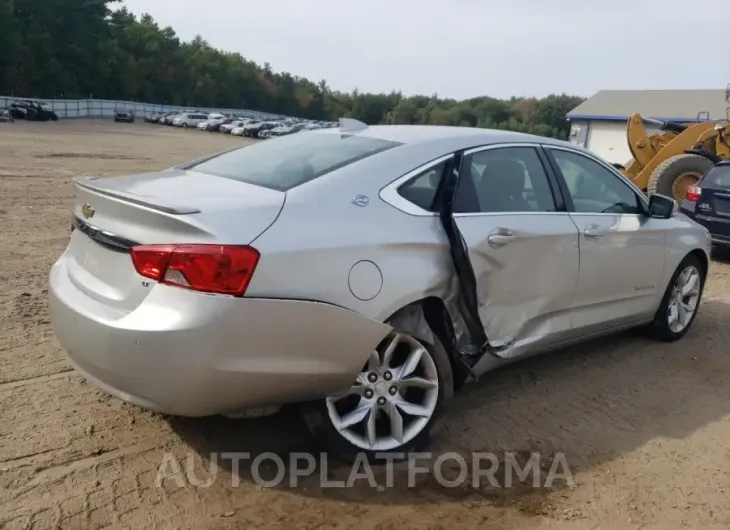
<point>286,162</point>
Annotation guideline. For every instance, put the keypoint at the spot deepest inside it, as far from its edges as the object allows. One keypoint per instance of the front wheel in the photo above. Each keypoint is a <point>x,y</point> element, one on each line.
<point>681,301</point>
<point>393,404</point>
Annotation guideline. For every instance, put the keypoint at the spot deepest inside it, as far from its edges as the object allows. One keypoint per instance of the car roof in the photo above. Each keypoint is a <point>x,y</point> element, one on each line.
<point>418,134</point>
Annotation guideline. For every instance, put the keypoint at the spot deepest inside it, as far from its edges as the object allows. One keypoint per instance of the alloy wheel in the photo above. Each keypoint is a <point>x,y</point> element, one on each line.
<point>393,398</point>
<point>683,299</point>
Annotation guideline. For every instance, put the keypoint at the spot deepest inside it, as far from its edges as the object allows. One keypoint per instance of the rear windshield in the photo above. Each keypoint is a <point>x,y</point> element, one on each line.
<point>718,177</point>
<point>286,162</point>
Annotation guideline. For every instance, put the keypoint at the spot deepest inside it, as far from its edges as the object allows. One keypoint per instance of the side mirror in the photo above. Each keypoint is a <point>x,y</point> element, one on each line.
<point>662,207</point>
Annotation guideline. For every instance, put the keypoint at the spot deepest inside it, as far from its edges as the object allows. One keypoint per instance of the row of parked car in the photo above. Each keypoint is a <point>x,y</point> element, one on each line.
<point>237,125</point>
<point>28,110</point>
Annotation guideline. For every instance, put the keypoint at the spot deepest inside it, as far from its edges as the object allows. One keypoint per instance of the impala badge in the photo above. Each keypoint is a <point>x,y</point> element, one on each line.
<point>87,211</point>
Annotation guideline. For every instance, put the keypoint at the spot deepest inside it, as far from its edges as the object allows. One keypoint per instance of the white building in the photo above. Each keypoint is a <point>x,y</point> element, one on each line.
<point>599,123</point>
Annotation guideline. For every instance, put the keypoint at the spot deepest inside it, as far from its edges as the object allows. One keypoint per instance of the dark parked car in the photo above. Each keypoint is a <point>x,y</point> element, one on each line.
<point>32,111</point>
<point>708,203</point>
<point>253,130</point>
<point>124,115</point>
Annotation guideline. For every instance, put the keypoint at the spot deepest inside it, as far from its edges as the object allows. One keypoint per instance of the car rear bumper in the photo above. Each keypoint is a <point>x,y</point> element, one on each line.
<point>191,354</point>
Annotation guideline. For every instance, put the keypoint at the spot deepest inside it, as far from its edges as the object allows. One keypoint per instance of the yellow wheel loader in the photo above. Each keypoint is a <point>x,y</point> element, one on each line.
<point>673,159</point>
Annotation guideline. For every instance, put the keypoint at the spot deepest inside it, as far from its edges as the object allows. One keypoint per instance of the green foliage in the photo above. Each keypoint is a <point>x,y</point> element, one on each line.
<point>87,48</point>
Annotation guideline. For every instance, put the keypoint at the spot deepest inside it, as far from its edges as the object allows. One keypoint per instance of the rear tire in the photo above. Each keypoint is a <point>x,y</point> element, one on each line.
<point>674,305</point>
<point>663,178</point>
<point>432,367</point>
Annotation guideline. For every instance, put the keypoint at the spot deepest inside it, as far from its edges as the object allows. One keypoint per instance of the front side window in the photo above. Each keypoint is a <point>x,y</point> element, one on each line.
<point>289,161</point>
<point>594,188</point>
<point>505,179</point>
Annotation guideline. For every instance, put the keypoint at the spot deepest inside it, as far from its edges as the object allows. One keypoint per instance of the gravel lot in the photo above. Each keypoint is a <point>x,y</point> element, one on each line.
<point>644,427</point>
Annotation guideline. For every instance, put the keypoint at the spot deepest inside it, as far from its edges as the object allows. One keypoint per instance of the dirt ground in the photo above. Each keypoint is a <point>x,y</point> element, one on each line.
<point>644,427</point>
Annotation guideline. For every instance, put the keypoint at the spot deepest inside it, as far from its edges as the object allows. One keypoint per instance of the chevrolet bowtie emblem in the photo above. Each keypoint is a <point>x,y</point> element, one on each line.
<point>87,211</point>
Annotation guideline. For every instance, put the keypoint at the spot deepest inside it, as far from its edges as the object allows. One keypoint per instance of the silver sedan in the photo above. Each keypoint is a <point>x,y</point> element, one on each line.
<point>362,272</point>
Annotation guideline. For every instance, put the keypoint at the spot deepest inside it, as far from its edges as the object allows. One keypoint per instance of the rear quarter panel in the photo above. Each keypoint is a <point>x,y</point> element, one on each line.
<point>320,235</point>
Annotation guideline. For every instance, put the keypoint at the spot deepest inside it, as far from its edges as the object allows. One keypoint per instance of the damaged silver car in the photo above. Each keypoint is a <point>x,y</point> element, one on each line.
<point>362,272</point>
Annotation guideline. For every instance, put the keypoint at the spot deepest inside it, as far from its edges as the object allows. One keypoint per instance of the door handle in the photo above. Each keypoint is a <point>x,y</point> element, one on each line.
<point>594,231</point>
<point>501,237</point>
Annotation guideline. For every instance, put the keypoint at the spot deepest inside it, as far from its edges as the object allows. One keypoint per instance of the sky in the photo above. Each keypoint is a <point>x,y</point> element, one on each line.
<point>468,48</point>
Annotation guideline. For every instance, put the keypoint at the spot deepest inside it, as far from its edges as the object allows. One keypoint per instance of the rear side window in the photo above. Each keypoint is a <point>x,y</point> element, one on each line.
<point>286,162</point>
<point>421,189</point>
<point>717,178</point>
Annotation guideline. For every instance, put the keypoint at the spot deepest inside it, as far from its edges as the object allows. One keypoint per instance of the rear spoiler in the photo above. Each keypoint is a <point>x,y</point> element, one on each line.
<point>96,185</point>
<point>188,165</point>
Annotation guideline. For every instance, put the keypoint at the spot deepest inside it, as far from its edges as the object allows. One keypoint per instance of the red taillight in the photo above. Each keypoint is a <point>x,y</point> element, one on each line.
<point>208,268</point>
<point>694,193</point>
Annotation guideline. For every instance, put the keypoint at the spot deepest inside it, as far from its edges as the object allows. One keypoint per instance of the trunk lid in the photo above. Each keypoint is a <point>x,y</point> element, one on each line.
<point>172,206</point>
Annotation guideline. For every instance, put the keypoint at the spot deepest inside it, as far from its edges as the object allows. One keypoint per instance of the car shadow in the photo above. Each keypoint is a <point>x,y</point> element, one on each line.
<point>589,404</point>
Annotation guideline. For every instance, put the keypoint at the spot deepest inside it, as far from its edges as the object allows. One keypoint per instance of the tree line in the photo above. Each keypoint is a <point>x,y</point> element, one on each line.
<point>93,48</point>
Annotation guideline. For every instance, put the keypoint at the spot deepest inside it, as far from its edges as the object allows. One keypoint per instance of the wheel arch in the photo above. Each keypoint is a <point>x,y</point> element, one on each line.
<point>702,256</point>
<point>439,320</point>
